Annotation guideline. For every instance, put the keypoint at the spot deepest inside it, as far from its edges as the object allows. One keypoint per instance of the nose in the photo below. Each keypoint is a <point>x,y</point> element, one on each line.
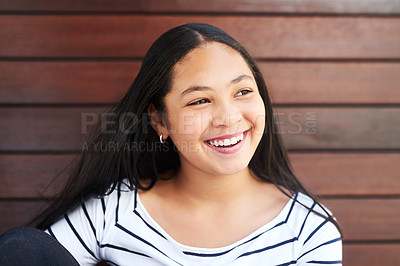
<point>226,114</point>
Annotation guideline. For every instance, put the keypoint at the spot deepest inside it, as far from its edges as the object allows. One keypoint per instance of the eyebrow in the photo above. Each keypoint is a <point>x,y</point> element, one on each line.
<point>205,88</point>
<point>240,78</point>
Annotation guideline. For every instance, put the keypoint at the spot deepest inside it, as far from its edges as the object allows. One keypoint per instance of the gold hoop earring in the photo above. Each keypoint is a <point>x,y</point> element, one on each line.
<point>161,139</point>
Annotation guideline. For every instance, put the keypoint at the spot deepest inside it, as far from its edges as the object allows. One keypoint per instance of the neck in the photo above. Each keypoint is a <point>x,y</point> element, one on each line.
<point>202,188</point>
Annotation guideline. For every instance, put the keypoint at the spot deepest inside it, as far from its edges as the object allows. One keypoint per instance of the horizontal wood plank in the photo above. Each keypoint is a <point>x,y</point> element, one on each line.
<point>371,254</point>
<point>46,128</point>
<point>65,82</point>
<point>17,213</point>
<point>335,174</point>
<point>265,37</point>
<point>209,6</point>
<point>302,128</point>
<point>330,83</point>
<point>348,173</point>
<point>367,219</point>
<point>339,128</point>
<point>290,82</point>
<point>356,47</point>
<point>361,220</point>
<point>33,176</point>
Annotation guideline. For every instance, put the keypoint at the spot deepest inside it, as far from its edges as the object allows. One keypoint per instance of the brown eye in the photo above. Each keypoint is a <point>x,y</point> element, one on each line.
<point>201,101</point>
<point>243,92</point>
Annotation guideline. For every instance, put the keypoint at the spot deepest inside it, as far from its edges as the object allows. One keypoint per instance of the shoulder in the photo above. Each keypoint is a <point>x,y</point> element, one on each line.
<point>306,212</point>
<point>319,237</point>
<point>118,199</point>
<point>308,219</point>
<point>104,209</point>
<point>118,194</point>
<point>97,213</point>
<point>82,229</point>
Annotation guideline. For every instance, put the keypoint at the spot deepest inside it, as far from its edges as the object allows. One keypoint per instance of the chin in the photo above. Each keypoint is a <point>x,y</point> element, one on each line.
<point>230,169</point>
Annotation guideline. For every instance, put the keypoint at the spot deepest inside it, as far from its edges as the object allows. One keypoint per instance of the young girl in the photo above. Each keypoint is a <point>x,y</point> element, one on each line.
<point>199,175</point>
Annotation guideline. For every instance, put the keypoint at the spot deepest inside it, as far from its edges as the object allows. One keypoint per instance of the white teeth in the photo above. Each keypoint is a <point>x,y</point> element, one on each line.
<point>227,142</point>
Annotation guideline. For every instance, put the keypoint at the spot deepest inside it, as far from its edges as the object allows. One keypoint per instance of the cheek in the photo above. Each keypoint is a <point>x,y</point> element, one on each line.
<point>255,112</point>
<point>187,126</point>
<point>260,118</point>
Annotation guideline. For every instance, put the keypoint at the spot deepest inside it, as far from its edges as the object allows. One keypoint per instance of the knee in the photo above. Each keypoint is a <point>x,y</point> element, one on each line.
<point>20,236</point>
<point>31,246</point>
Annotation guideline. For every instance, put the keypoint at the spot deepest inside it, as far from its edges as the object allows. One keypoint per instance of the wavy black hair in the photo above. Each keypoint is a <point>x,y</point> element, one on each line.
<point>98,172</point>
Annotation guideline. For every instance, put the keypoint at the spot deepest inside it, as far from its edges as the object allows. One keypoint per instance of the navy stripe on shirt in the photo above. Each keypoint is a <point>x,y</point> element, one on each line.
<point>78,236</point>
<point>305,220</point>
<point>288,263</point>
<point>150,246</point>
<point>118,197</point>
<point>123,249</point>
<point>143,241</point>
<point>323,244</point>
<point>227,251</point>
<point>148,225</point>
<point>316,229</point>
<point>268,248</point>
<point>51,232</point>
<point>248,241</point>
<point>90,222</point>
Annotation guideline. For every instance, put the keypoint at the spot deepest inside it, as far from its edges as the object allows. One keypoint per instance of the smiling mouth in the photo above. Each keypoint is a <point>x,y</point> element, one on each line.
<point>226,142</point>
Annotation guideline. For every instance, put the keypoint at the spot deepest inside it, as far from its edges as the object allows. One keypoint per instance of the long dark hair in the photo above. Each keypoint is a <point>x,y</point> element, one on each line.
<point>137,157</point>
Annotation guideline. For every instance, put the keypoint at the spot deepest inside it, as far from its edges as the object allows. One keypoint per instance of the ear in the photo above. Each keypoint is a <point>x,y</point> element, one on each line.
<point>157,122</point>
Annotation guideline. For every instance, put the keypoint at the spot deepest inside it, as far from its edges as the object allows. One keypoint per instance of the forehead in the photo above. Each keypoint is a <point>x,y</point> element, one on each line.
<point>210,64</point>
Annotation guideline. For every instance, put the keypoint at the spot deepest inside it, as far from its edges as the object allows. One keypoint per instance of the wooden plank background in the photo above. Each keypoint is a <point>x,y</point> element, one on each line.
<point>332,67</point>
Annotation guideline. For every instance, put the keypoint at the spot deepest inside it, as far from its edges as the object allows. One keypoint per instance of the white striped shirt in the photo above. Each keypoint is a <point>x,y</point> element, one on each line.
<point>110,228</point>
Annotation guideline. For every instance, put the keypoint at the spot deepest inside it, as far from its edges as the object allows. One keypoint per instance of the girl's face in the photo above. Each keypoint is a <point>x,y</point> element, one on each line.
<point>215,114</point>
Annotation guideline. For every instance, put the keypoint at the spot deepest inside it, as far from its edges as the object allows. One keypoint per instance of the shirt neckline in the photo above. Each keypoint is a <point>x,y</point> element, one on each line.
<point>281,216</point>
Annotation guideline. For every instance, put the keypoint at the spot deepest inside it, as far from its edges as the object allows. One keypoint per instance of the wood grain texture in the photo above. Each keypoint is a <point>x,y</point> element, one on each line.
<point>209,6</point>
<point>265,37</point>
<point>46,128</point>
<point>17,213</point>
<point>65,82</point>
<point>288,82</point>
<point>310,52</point>
<point>339,128</point>
<point>33,176</point>
<point>325,174</point>
<point>302,128</point>
<point>367,219</point>
<point>327,83</point>
<point>336,174</point>
<point>371,254</point>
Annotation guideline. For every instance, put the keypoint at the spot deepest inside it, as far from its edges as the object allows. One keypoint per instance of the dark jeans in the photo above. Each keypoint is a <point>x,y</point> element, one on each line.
<point>29,246</point>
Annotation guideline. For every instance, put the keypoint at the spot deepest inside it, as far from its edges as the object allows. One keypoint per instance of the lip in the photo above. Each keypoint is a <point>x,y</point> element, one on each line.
<point>228,136</point>
<point>228,150</point>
